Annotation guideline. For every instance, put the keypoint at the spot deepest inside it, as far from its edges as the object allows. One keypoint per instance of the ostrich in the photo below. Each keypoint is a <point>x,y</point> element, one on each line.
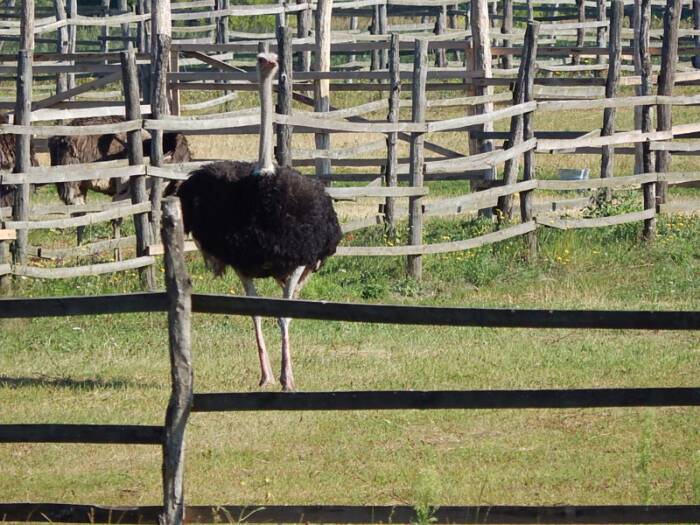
<point>7,162</point>
<point>93,148</point>
<point>261,220</point>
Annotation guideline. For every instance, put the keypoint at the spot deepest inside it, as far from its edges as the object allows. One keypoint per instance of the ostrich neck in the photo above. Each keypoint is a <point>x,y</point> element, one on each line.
<point>265,163</point>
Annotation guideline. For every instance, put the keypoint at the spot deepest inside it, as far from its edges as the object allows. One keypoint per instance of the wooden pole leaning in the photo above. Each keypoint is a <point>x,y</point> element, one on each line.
<point>392,161</point>
<point>526,197</point>
<point>510,171</point>
<point>417,156</point>
<point>179,293</point>
<point>667,77</point>
<point>285,80</point>
<point>322,62</point>
<point>614,65</point>
<point>601,7</point>
<point>23,112</point>
<point>137,184</point>
<point>440,23</point>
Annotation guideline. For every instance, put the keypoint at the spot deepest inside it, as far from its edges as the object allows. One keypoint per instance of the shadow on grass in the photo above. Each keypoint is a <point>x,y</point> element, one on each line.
<point>66,382</point>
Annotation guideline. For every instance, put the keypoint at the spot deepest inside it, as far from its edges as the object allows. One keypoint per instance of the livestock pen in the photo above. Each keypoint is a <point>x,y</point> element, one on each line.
<point>528,98</point>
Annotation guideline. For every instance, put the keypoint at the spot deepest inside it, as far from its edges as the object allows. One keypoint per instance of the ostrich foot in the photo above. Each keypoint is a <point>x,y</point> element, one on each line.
<point>266,380</point>
<point>287,383</point>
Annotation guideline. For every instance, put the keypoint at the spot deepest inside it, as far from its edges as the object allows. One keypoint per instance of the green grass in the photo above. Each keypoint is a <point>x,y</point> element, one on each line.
<point>114,369</point>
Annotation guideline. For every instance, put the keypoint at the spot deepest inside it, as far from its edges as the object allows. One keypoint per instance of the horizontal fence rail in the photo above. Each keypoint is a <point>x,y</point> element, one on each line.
<point>486,514</point>
<point>353,312</point>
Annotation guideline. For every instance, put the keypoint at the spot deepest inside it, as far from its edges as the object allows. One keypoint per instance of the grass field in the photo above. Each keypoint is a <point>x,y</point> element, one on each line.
<point>115,369</point>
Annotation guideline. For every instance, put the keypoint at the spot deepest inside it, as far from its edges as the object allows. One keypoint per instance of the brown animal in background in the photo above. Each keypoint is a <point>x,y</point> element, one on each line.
<point>82,149</point>
<point>7,163</point>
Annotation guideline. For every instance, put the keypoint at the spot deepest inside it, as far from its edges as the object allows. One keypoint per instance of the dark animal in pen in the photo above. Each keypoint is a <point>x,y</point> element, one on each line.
<point>83,149</point>
<point>7,163</point>
<point>80,149</point>
<point>261,220</point>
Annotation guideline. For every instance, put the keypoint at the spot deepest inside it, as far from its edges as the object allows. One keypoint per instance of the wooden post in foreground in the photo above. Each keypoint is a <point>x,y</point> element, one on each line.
<point>614,64</point>
<point>179,291</point>
<point>390,176</point>
<point>507,28</point>
<point>283,153</point>
<point>322,62</point>
<point>417,160</point>
<point>526,197</point>
<point>667,77</point>
<point>132,104</point>
<point>23,112</point>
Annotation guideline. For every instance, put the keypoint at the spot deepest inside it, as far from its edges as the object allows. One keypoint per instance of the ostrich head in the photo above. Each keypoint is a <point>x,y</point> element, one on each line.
<point>267,66</point>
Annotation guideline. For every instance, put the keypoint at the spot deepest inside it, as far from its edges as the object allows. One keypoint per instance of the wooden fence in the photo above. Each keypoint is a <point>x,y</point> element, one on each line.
<point>528,94</point>
<point>180,303</point>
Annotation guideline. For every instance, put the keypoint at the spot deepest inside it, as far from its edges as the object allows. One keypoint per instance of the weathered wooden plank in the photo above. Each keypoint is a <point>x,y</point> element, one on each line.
<point>7,235</point>
<point>90,218</point>
<point>442,514</point>
<point>74,172</point>
<point>87,249</point>
<point>365,191</point>
<point>107,434</point>
<point>483,118</point>
<point>568,224</point>
<point>472,201</point>
<point>679,177</point>
<point>615,182</point>
<point>71,131</point>
<point>445,247</point>
<point>341,153</point>
<point>82,271</point>
<point>484,160</point>
<point>88,305</point>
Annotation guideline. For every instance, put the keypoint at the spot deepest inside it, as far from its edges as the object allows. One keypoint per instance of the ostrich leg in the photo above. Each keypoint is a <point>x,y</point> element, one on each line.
<point>291,289</point>
<point>266,377</point>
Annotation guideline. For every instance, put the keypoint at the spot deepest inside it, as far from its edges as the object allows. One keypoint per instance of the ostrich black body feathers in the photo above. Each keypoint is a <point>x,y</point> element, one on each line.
<point>263,225</point>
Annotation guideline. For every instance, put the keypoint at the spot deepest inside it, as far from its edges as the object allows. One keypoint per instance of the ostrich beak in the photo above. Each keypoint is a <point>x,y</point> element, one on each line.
<point>267,61</point>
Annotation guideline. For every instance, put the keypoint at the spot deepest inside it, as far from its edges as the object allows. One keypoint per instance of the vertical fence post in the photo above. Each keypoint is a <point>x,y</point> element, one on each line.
<point>132,105</point>
<point>375,58</point>
<point>392,138</point>
<point>383,30</point>
<point>480,60</point>
<point>644,58</point>
<point>322,63</point>
<point>285,81</point>
<point>23,113</point>
<point>126,33</point>
<point>72,36</point>
<point>601,32</point>
<point>510,171</point>
<point>61,44</point>
<point>222,23</point>
<point>507,28</point>
<point>142,43</point>
<point>614,64</point>
<point>526,197</point>
<point>303,31</point>
<point>417,160</point>
<point>179,289</point>
<point>440,53</point>
<point>696,39</point>
<point>637,60</point>
<point>580,33</point>
<point>161,27</point>
<point>104,45</point>
<point>648,189</point>
<point>667,77</point>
